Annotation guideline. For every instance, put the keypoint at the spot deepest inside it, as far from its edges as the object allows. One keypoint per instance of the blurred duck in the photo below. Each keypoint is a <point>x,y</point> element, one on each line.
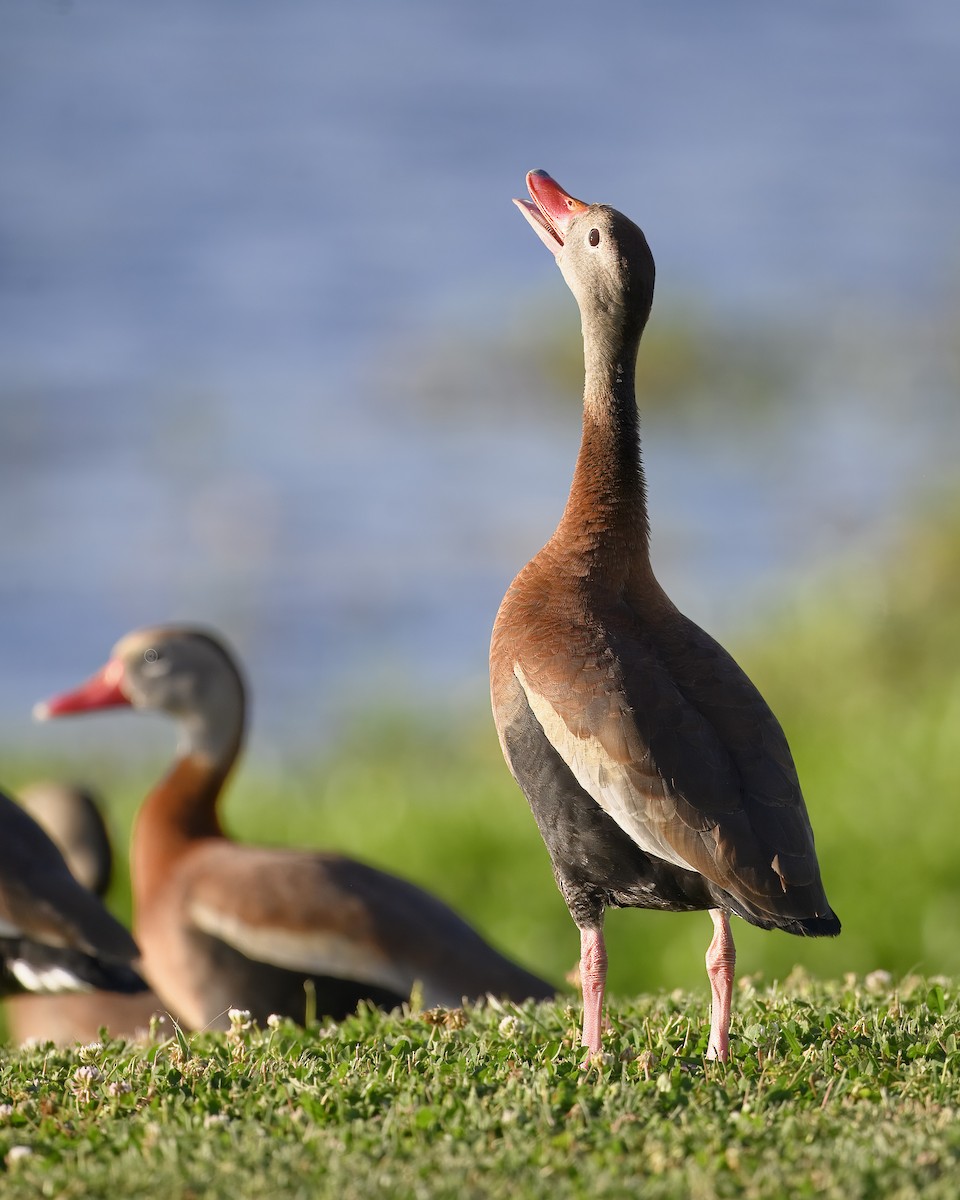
<point>55,936</point>
<point>69,814</point>
<point>224,925</point>
<point>657,774</point>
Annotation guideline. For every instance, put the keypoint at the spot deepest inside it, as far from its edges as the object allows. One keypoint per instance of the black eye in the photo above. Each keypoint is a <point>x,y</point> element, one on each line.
<point>155,663</point>
<point>594,237</point>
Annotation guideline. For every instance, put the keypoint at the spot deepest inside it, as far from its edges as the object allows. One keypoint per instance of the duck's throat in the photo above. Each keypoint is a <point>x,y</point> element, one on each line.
<point>181,810</point>
<point>606,515</point>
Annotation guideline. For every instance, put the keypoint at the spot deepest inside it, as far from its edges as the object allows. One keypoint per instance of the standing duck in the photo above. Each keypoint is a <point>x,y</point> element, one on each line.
<point>657,775</point>
<point>55,936</point>
<point>70,815</point>
<point>225,925</point>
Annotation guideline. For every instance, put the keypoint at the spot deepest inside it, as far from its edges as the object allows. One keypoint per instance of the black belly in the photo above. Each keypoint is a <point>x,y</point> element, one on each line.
<point>596,864</point>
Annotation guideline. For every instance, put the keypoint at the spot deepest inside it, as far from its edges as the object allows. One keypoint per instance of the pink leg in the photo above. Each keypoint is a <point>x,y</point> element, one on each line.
<point>593,975</point>
<point>721,960</point>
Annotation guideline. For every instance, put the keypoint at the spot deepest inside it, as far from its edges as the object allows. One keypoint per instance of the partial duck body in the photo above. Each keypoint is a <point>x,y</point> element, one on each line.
<point>72,818</point>
<point>657,774</point>
<point>55,936</point>
<point>268,930</point>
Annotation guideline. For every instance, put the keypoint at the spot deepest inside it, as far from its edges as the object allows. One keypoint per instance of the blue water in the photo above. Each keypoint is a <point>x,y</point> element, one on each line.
<point>235,237</point>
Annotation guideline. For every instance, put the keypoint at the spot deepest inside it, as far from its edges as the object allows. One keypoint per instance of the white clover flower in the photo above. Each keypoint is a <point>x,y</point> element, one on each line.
<point>157,1021</point>
<point>6,1110</point>
<point>16,1154</point>
<point>119,1087</point>
<point>274,1021</point>
<point>240,1018</point>
<point>878,981</point>
<point>87,1075</point>
<point>511,1027</point>
<point>90,1052</point>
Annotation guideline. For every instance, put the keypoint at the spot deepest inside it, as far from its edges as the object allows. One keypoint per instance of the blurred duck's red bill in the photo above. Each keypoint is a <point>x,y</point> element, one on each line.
<point>552,209</point>
<point>102,690</point>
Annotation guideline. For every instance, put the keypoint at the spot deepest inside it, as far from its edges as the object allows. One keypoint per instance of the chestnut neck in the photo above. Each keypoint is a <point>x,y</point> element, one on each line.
<point>180,811</point>
<point>604,528</point>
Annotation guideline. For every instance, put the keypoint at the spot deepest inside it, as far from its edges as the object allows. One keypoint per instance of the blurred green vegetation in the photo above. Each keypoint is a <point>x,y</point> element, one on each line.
<point>862,671</point>
<point>692,365</point>
<point>689,363</point>
<point>864,676</point>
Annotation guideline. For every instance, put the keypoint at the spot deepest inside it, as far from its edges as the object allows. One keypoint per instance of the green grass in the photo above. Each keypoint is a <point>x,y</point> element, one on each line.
<point>841,1090</point>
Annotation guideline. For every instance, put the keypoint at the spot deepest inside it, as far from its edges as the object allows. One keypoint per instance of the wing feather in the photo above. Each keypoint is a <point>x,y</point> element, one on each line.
<point>286,908</point>
<point>313,952</point>
<point>676,745</point>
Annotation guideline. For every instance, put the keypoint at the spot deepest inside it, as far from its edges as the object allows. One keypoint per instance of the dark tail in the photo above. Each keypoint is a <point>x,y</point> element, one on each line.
<point>828,926</point>
<point>821,924</point>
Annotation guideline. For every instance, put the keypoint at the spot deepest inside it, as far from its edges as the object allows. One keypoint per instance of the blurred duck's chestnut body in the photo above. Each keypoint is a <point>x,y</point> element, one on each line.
<point>657,775</point>
<point>225,925</point>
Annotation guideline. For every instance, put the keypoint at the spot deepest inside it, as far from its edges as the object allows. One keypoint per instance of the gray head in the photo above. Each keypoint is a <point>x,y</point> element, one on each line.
<point>603,256</point>
<point>183,671</point>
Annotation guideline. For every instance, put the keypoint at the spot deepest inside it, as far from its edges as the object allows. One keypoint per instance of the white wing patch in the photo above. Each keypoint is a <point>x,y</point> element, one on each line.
<point>600,776</point>
<point>46,979</point>
<point>313,951</point>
